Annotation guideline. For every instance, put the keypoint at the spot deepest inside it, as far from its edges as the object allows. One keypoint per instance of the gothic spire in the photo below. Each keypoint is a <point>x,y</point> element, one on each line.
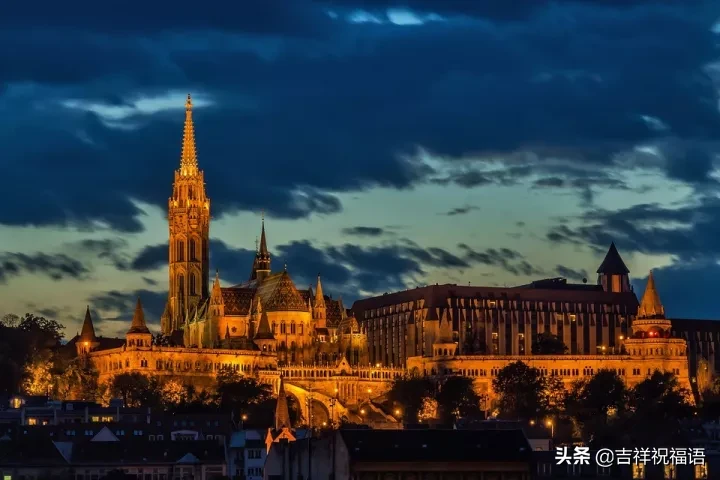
<point>282,413</point>
<point>261,264</point>
<point>138,321</point>
<point>319,297</point>
<point>264,332</point>
<point>263,250</point>
<point>87,333</point>
<point>650,305</point>
<point>188,160</point>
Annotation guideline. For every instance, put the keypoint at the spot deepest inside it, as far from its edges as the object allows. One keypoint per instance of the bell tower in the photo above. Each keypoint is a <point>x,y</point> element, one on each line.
<point>189,222</point>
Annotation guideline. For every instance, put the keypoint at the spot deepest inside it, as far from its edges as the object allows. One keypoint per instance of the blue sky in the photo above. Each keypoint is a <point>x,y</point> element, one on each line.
<point>391,144</point>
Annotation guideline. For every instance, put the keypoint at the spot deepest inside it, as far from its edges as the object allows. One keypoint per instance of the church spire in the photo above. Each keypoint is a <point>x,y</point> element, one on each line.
<point>650,305</point>
<point>87,333</point>
<point>319,297</point>
<point>282,413</point>
<point>188,160</point>
<point>261,265</point>
<point>138,321</point>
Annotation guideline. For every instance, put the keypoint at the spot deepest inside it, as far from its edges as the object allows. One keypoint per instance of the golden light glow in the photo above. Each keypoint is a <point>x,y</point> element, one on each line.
<point>377,365</point>
<point>532,422</point>
<point>369,390</point>
<point>324,424</point>
<point>336,390</point>
<point>362,411</point>
<point>397,411</point>
<point>549,423</point>
<point>244,417</point>
<point>622,337</point>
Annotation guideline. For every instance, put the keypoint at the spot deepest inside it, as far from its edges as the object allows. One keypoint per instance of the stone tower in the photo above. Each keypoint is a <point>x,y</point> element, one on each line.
<point>189,222</point>
<point>88,341</point>
<point>319,308</point>
<point>613,274</point>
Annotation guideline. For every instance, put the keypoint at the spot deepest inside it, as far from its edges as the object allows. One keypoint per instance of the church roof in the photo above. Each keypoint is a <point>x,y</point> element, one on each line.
<point>613,264</point>
<point>237,300</point>
<point>138,322</point>
<point>650,305</point>
<point>87,333</point>
<point>278,294</point>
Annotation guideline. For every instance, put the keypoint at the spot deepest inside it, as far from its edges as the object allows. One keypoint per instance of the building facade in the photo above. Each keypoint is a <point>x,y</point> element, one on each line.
<point>333,359</point>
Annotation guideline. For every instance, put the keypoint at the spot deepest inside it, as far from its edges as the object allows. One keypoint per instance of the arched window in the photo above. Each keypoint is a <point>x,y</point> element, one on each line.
<point>180,251</point>
<point>192,254</point>
<point>192,283</point>
<point>181,284</point>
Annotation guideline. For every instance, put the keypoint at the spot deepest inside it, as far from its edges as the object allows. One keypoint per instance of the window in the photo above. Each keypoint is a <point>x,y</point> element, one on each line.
<point>638,471</point>
<point>670,473</point>
<point>180,251</point>
<point>192,283</point>
<point>192,250</point>
<point>181,284</point>
<point>701,472</point>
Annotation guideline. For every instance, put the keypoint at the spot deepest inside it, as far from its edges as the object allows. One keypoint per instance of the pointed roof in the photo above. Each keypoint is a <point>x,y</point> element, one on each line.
<point>282,413</point>
<point>188,159</point>
<point>613,264</point>
<point>263,250</point>
<point>264,332</point>
<point>319,298</point>
<point>650,305</point>
<point>279,294</point>
<point>138,321</point>
<point>87,333</point>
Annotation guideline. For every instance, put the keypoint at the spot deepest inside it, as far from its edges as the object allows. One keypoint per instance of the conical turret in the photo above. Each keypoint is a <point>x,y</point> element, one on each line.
<point>650,305</point>
<point>282,413</point>
<point>87,333</point>
<point>138,322</point>
<point>613,274</point>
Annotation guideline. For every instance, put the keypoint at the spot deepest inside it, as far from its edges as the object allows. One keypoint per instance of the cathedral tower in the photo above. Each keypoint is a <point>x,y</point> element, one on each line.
<point>189,222</point>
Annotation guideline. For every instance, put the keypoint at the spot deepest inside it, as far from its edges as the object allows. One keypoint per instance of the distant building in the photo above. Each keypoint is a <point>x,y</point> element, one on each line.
<point>407,454</point>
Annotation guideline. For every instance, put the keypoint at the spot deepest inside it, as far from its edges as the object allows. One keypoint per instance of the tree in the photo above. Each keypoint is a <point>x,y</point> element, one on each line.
<point>38,377</point>
<point>548,344</point>
<point>599,407</point>
<point>408,394</point>
<point>521,391</point>
<point>245,396</point>
<point>555,394</point>
<point>428,409</point>
<point>659,404</point>
<point>457,399</point>
<point>161,340</point>
<point>75,380</point>
<point>173,393</point>
<point>136,389</point>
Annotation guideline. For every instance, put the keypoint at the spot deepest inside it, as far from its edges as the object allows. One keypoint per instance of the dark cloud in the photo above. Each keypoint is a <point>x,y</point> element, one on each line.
<point>491,9</point>
<point>505,258</point>
<point>571,273</point>
<point>151,258</point>
<point>351,270</point>
<point>461,210</point>
<point>686,290</point>
<point>56,267</point>
<point>264,17</point>
<point>291,122</point>
<point>364,231</point>
<point>110,250</point>
<point>150,281</point>
<point>120,306</point>
<point>690,231</point>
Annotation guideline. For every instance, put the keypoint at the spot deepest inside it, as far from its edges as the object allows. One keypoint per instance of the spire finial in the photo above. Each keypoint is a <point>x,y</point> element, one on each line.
<point>262,214</point>
<point>188,159</point>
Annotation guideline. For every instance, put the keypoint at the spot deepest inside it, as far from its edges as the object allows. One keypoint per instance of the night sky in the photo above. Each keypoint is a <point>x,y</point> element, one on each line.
<point>391,144</point>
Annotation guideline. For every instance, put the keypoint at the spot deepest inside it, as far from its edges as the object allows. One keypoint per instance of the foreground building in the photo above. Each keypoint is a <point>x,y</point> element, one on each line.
<point>334,361</point>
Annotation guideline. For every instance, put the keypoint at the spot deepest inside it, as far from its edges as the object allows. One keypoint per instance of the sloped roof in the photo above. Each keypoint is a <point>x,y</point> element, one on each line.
<point>613,263</point>
<point>237,300</point>
<point>278,294</point>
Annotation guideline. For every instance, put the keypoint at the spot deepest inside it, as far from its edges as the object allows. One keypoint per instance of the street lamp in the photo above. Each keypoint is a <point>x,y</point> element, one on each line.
<point>243,418</point>
<point>551,425</point>
<point>532,423</point>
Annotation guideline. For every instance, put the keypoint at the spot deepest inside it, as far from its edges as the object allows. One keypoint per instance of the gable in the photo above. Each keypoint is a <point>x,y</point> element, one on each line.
<point>104,435</point>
